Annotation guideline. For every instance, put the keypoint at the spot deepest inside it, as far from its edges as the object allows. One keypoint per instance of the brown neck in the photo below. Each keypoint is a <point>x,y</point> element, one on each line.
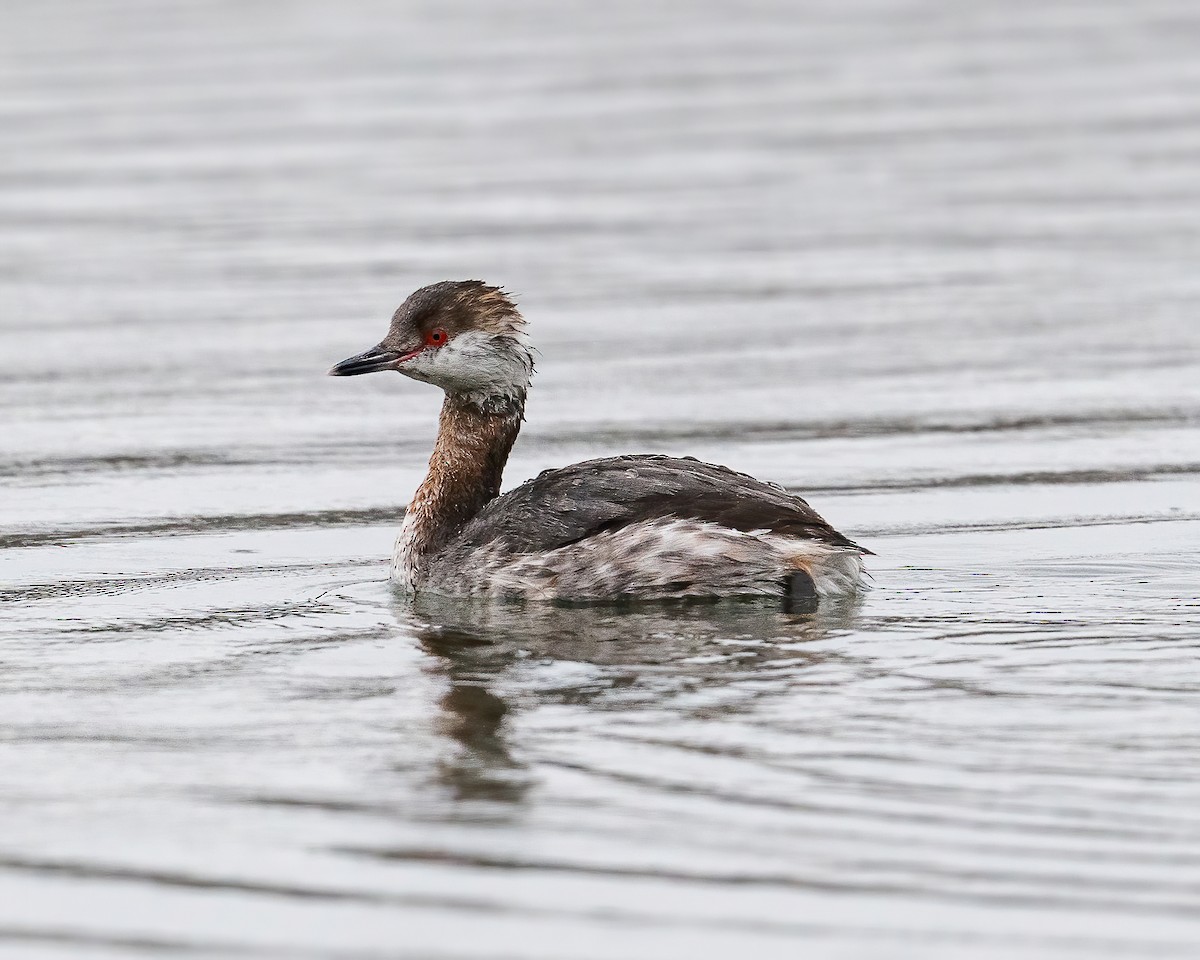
<point>465,469</point>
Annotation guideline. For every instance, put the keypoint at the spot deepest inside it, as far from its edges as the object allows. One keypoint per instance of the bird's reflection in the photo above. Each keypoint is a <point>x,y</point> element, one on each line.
<point>479,765</point>
<point>479,646</point>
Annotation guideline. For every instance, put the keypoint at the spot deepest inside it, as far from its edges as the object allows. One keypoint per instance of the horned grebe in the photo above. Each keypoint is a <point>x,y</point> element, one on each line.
<point>646,526</point>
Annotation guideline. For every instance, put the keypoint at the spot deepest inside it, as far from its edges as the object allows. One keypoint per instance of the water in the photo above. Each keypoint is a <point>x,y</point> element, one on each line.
<point>931,264</point>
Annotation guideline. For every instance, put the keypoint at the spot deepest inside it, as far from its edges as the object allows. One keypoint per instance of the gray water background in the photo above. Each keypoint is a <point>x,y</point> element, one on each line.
<point>933,265</point>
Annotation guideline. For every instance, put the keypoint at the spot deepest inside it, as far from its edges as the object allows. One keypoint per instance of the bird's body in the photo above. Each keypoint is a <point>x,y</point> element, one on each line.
<point>634,527</point>
<point>648,527</point>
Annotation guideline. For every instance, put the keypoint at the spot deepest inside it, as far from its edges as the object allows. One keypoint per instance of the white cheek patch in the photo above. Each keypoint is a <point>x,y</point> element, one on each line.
<point>475,363</point>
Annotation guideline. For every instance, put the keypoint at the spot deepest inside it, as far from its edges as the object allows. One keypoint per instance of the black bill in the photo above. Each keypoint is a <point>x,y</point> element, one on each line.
<point>373,360</point>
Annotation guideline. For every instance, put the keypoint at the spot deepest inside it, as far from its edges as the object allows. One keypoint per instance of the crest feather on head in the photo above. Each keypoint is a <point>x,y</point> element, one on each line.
<point>461,305</point>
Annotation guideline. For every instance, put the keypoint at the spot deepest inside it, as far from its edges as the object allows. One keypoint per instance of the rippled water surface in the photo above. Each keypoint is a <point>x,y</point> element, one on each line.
<point>931,264</point>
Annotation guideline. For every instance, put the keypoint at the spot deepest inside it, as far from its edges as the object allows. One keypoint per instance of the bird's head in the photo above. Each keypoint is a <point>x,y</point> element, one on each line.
<point>463,336</point>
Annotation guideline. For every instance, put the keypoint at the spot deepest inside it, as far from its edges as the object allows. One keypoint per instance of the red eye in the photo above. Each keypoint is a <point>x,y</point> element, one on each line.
<point>435,338</point>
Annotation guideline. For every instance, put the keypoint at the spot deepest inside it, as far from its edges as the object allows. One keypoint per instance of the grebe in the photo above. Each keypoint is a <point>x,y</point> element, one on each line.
<point>633,527</point>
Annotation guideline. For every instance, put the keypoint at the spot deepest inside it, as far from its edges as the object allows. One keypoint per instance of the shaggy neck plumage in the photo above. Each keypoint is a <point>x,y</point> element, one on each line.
<point>474,439</point>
